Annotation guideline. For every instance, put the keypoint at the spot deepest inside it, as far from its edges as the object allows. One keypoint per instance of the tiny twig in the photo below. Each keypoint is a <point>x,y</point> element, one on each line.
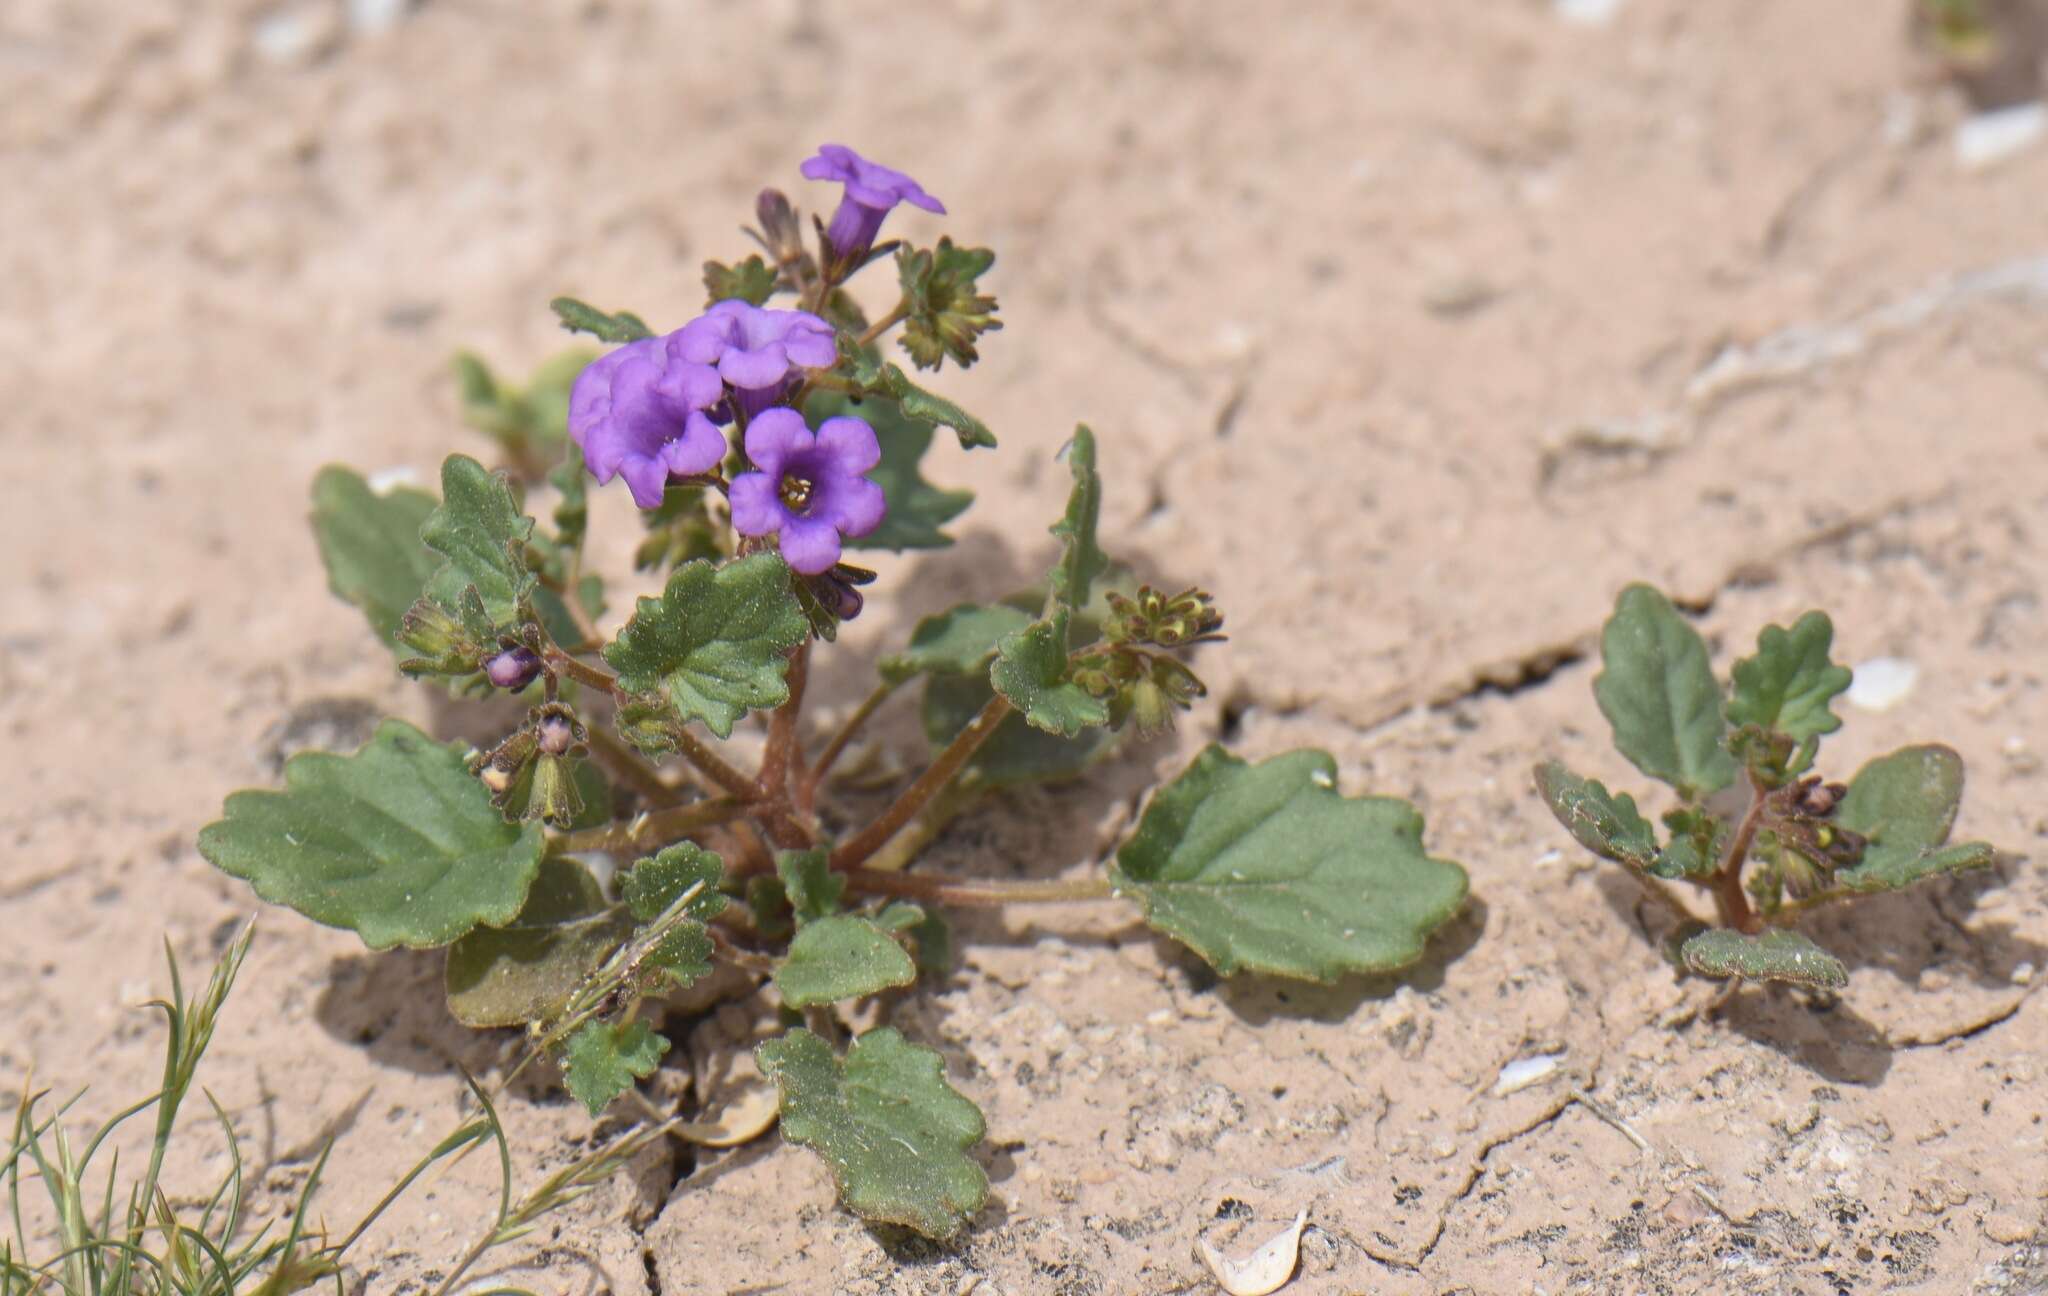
<point>807,790</point>
<point>942,771</point>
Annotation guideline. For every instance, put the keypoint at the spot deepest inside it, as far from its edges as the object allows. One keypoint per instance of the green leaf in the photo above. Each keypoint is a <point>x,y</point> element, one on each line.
<point>841,957</point>
<point>1031,670</point>
<point>946,313</point>
<point>603,1059</point>
<point>1081,559</point>
<point>808,882</point>
<point>398,842</point>
<point>1787,686</point>
<point>684,954</point>
<point>958,641</point>
<point>1605,823</point>
<point>1658,691</point>
<point>371,545</point>
<point>1776,955</point>
<point>572,518</point>
<point>658,881</point>
<point>479,529</point>
<point>876,378</point>
<point>894,1133</point>
<point>1015,753</point>
<point>532,422</point>
<point>1697,839</point>
<point>930,938</point>
<point>580,317</point>
<point>752,281</point>
<point>1266,868</point>
<point>716,643</point>
<point>525,970</point>
<point>917,509</point>
<point>1905,803</point>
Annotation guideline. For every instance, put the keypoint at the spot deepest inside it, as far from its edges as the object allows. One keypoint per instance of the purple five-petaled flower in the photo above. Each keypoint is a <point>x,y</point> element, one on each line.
<point>811,489</point>
<point>638,413</point>
<point>871,192</point>
<point>757,352</point>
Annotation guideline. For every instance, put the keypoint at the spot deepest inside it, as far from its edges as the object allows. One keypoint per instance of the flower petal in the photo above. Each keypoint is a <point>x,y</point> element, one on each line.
<point>849,445</point>
<point>764,366</point>
<point>853,505</point>
<point>646,477</point>
<point>774,436</point>
<point>756,509</point>
<point>809,545</point>
<point>698,450</point>
<point>811,342</point>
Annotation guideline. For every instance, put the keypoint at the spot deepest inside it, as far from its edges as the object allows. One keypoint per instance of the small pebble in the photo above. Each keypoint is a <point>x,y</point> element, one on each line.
<point>1990,138</point>
<point>1882,683</point>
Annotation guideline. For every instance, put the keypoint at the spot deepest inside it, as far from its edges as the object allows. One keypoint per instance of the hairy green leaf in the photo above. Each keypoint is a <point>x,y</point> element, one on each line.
<point>371,545</point>
<point>525,970</point>
<point>603,1059</point>
<point>658,881</point>
<point>894,1133</point>
<point>1697,840</point>
<point>1905,803</point>
<point>751,280</point>
<point>716,643</point>
<point>1606,823</point>
<point>1779,954</point>
<point>479,529</point>
<point>841,957</point>
<point>959,641</point>
<point>808,882</point>
<point>581,317</point>
<point>1015,753</point>
<point>946,313</point>
<point>1081,559</point>
<point>1266,868</point>
<point>1032,671</point>
<point>398,842</point>
<point>917,509</point>
<point>1787,686</point>
<point>1658,691</point>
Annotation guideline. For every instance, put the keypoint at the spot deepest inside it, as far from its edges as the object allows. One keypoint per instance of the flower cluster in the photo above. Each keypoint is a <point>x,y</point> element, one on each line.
<point>651,411</point>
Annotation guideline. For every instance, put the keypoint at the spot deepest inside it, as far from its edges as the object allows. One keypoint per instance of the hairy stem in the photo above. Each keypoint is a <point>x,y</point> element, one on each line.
<point>943,770</point>
<point>784,754</point>
<point>807,789</point>
<point>710,764</point>
<point>654,830</point>
<point>922,831</point>
<point>976,891</point>
<point>1729,898</point>
<point>561,663</point>
<point>628,767</point>
<point>883,325</point>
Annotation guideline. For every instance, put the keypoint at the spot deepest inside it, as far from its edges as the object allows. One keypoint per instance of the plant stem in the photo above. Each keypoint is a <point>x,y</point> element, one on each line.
<point>807,790</point>
<point>1729,897</point>
<point>711,764</point>
<point>784,753</point>
<point>627,765</point>
<point>976,891</point>
<point>855,851</point>
<point>884,324</point>
<point>656,829</point>
<point>943,809</point>
<point>581,671</point>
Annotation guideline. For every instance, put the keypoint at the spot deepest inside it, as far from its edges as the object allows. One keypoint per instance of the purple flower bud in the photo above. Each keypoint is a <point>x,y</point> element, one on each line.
<point>513,669</point>
<point>757,351</point>
<point>638,413</point>
<point>811,488</point>
<point>779,224</point>
<point>872,191</point>
<point>557,733</point>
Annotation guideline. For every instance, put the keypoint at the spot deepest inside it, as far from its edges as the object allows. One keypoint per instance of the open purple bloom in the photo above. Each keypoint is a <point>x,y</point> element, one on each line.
<point>638,413</point>
<point>811,489</point>
<point>872,191</point>
<point>758,351</point>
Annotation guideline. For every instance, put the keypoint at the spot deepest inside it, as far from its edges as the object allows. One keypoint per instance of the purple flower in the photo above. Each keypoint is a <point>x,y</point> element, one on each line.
<point>513,669</point>
<point>638,413</point>
<point>810,489</point>
<point>871,192</point>
<point>757,350</point>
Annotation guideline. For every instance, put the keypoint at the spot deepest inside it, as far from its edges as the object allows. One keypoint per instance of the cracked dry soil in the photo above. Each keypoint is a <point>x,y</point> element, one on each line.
<point>1427,302</point>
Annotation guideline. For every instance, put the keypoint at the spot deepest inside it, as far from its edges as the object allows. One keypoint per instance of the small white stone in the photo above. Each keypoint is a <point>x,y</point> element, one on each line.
<point>1523,1072</point>
<point>1265,1270</point>
<point>1587,13</point>
<point>2023,974</point>
<point>1882,683</point>
<point>397,475</point>
<point>1993,137</point>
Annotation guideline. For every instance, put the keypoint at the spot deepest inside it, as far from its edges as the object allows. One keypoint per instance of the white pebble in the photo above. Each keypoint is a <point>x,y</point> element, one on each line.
<point>1587,13</point>
<point>1264,1270</point>
<point>1882,683</point>
<point>1993,137</point>
<point>1523,1072</point>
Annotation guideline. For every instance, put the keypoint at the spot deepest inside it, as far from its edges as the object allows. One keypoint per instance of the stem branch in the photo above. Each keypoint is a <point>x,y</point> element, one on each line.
<point>807,789</point>
<point>656,829</point>
<point>976,891</point>
<point>628,766</point>
<point>1729,897</point>
<point>855,851</point>
<point>883,325</point>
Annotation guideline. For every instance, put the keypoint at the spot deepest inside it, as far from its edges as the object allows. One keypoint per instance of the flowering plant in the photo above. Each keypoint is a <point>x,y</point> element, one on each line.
<point>628,852</point>
<point>1764,837</point>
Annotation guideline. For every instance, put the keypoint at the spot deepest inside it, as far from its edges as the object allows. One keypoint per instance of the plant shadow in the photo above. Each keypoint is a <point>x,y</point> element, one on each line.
<point>391,1004</point>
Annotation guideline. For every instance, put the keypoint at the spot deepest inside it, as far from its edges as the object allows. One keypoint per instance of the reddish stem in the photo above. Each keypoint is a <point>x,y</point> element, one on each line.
<point>855,851</point>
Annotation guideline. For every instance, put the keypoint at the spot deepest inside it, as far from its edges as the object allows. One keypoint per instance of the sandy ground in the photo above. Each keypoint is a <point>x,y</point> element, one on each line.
<point>1414,330</point>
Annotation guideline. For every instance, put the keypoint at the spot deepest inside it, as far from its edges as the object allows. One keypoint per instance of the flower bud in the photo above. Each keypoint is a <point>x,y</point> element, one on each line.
<point>513,669</point>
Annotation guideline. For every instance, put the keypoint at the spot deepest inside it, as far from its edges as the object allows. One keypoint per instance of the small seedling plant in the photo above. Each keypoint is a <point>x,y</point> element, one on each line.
<point>668,805</point>
<point>1755,828</point>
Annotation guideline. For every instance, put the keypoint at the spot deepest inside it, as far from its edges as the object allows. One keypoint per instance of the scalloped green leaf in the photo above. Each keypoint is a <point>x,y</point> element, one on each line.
<point>1657,690</point>
<point>809,884</point>
<point>1906,803</point>
<point>1779,954</point>
<point>962,640</point>
<point>893,1132</point>
<point>1787,686</point>
<point>1081,558</point>
<point>1266,868</point>
<point>1031,670</point>
<point>716,644</point>
<point>917,509</point>
<point>657,881</point>
<point>479,529</point>
<point>1606,823</point>
<point>1015,753</point>
<point>370,544</point>
<point>841,956</point>
<point>582,317</point>
<point>603,1059</point>
<point>398,843</point>
<point>526,970</point>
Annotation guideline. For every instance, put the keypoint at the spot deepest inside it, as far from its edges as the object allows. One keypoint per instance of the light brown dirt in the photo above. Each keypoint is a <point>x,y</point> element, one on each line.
<point>1400,324</point>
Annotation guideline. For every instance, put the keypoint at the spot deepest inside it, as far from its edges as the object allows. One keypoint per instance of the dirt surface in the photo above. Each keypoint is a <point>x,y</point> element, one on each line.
<point>1413,330</point>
